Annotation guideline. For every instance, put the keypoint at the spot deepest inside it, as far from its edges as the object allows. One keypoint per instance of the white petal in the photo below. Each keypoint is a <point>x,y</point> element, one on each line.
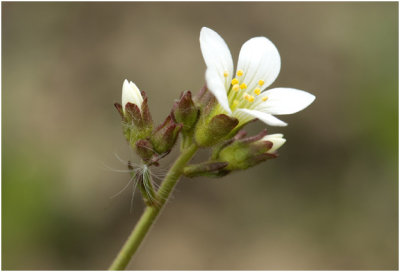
<point>285,101</point>
<point>137,94</point>
<point>216,54</point>
<point>217,88</point>
<point>264,117</point>
<point>259,60</point>
<point>276,139</point>
<point>131,93</point>
<point>272,136</point>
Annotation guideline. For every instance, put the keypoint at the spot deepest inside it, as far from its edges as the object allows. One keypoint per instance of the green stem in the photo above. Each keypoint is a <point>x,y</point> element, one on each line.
<point>151,212</point>
<point>187,137</point>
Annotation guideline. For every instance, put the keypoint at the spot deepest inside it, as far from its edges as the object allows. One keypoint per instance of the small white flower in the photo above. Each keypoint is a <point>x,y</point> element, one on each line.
<point>277,141</point>
<point>242,95</point>
<point>131,94</point>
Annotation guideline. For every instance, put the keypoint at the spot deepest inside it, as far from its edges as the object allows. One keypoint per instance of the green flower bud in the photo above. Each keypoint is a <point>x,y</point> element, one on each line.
<point>185,112</point>
<point>209,133</point>
<point>204,98</point>
<point>165,135</point>
<point>136,119</point>
<point>247,152</point>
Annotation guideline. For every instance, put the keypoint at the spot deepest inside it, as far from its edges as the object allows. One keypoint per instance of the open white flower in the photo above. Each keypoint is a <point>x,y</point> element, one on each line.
<point>242,95</point>
<point>131,94</point>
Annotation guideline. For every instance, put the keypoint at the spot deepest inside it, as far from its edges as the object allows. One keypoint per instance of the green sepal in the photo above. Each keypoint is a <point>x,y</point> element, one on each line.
<point>209,133</point>
<point>145,150</point>
<point>146,116</point>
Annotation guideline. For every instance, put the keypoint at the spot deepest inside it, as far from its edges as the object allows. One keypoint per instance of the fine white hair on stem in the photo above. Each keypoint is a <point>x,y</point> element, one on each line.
<point>123,189</point>
<point>124,163</point>
<point>119,158</point>
<point>133,195</point>
<point>109,168</point>
<point>141,175</point>
<point>145,178</point>
<point>158,173</point>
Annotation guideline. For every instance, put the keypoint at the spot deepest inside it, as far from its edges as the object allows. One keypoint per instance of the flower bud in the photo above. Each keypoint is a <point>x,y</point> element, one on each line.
<point>204,97</point>
<point>131,94</point>
<point>277,141</point>
<point>136,118</point>
<point>205,101</point>
<point>185,112</point>
<point>209,133</point>
<point>247,152</point>
<point>165,135</point>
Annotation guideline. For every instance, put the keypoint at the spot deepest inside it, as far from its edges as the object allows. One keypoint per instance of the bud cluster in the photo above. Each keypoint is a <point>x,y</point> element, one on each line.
<point>200,124</point>
<point>150,144</point>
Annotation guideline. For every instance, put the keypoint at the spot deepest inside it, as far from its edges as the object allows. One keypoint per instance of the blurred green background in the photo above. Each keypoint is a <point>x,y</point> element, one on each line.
<point>330,201</point>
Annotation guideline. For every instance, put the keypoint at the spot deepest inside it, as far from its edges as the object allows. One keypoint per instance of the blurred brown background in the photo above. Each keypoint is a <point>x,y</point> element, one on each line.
<point>328,202</point>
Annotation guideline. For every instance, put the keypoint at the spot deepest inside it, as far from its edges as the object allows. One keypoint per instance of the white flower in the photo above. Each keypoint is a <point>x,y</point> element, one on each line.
<point>277,141</point>
<point>131,94</point>
<point>243,96</point>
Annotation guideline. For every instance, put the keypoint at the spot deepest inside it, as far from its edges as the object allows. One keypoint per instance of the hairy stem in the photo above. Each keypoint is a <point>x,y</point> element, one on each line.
<point>151,212</point>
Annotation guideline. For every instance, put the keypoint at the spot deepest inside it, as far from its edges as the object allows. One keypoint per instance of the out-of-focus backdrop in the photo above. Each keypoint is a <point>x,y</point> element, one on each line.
<point>328,202</point>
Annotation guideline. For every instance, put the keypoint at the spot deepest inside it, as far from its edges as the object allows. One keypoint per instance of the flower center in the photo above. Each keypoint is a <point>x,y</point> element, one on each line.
<point>240,96</point>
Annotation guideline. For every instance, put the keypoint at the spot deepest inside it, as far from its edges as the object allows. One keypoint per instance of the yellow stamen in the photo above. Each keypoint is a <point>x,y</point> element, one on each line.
<point>226,74</point>
<point>235,87</point>
<point>261,82</point>
<point>257,91</point>
<point>249,98</point>
<point>239,73</point>
<point>265,98</point>
<point>243,86</point>
<point>235,103</point>
<point>235,81</point>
